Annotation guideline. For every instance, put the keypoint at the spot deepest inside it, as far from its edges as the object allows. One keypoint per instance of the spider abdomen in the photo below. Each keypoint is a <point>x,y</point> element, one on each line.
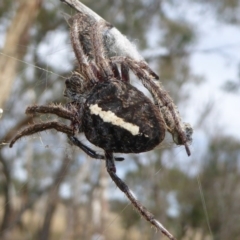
<point>119,118</point>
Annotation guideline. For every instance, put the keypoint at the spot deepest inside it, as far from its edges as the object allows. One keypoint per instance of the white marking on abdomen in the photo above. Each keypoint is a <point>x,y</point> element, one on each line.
<point>108,116</point>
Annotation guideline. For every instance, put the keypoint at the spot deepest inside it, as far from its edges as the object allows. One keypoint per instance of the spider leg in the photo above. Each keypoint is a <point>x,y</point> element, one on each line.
<point>125,72</point>
<point>98,49</point>
<point>115,71</point>
<point>39,127</point>
<point>88,150</point>
<point>170,115</point>
<point>145,66</point>
<point>85,67</point>
<point>111,168</point>
<point>52,109</point>
<point>92,30</point>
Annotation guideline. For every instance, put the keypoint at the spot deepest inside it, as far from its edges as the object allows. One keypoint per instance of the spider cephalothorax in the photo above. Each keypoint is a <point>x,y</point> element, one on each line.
<point>113,114</point>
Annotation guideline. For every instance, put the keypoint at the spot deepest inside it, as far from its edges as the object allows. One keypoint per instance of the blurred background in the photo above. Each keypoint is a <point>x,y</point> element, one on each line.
<point>51,190</point>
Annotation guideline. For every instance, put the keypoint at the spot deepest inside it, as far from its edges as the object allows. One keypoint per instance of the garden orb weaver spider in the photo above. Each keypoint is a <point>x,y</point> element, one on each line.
<point>113,114</point>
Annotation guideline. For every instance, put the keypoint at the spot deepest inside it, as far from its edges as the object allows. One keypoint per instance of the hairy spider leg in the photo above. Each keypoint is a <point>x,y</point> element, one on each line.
<point>99,54</point>
<point>52,109</point>
<point>39,127</point>
<point>83,29</point>
<point>115,71</point>
<point>98,49</point>
<point>125,72</point>
<point>143,72</point>
<point>111,169</point>
<point>85,67</point>
<point>88,150</point>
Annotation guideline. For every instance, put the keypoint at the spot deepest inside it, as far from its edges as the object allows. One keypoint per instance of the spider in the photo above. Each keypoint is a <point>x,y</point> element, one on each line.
<point>113,114</point>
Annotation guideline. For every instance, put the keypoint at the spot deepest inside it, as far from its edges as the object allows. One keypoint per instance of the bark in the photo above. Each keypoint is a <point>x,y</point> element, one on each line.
<point>17,36</point>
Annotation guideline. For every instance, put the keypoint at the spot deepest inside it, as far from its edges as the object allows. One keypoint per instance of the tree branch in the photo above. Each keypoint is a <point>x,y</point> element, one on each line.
<point>16,36</point>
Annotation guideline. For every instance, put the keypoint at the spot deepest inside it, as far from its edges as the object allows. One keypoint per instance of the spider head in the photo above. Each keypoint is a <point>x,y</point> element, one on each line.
<point>77,87</point>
